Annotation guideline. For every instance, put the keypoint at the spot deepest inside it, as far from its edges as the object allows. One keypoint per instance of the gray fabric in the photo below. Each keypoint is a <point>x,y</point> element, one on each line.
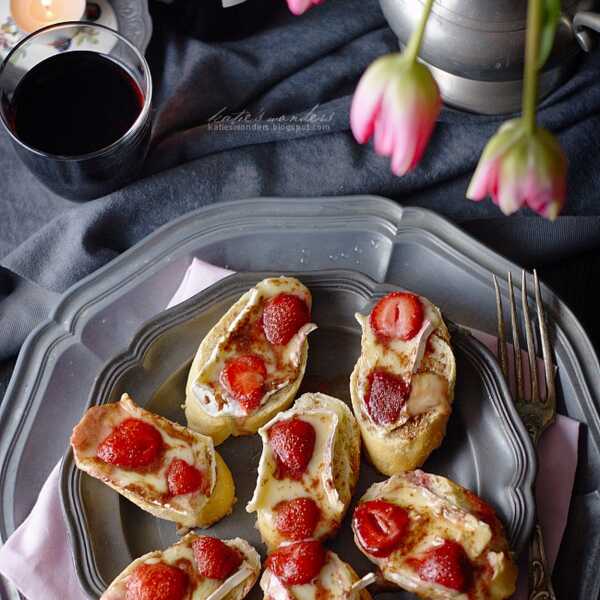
<point>294,67</point>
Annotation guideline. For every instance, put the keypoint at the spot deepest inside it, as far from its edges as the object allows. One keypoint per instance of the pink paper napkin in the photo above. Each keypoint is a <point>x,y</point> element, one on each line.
<point>37,557</point>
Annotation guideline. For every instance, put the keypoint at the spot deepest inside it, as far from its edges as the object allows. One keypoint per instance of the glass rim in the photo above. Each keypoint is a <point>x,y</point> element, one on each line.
<point>136,125</point>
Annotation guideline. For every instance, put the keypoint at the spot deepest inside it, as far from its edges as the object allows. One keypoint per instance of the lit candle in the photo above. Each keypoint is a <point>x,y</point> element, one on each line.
<point>31,15</point>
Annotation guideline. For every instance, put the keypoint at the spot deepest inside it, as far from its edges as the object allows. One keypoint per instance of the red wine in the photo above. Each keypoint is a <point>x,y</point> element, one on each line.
<point>75,103</point>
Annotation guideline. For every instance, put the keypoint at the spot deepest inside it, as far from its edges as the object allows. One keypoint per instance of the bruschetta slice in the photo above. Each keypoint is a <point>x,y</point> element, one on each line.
<point>164,468</point>
<point>432,537</point>
<point>402,386</point>
<point>305,569</point>
<point>195,568</point>
<point>250,365</point>
<point>307,471</point>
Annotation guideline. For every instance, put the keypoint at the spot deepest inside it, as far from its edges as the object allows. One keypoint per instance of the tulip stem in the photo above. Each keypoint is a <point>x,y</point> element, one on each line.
<point>530,84</point>
<point>416,39</point>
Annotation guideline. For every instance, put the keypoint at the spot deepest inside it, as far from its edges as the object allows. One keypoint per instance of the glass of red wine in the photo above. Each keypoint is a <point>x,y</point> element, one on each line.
<point>75,99</point>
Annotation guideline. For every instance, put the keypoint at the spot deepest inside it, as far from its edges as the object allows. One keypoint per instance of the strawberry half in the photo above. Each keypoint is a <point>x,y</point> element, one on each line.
<point>283,316</point>
<point>297,563</point>
<point>386,395</point>
<point>132,444</point>
<point>446,565</point>
<point>398,315</point>
<point>380,526</point>
<point>244,378</point>
<point>293,444</point>
<point>183,478</point>
<point>215,559</point>
<point>157,581</point>
<point>297,519</point>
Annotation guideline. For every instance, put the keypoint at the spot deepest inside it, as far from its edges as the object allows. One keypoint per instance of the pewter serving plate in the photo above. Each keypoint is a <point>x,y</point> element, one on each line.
<point>405,246</point>
<point>486,449</point>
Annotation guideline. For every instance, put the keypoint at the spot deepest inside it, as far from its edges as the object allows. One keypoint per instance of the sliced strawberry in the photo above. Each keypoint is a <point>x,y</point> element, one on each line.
<point>380,526</point>
<point>398,315</point>
<point>157,581</point>
<point>293,443</point>
<point>244,378</point>
<point>283,316</point>
<point>297,563</point>
<point>183,478</point>
<point>446,565</point>
<point>215,559</point>
<point>297,519</point>
<point>132,444</point>
<point>386,395</point>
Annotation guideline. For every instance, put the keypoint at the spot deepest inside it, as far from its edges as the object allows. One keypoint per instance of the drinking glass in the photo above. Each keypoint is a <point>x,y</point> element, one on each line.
<point>106,169</point>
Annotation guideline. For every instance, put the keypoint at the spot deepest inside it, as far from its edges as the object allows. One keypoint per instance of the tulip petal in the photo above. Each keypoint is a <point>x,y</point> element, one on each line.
<point>384,138</point>
<point>406,128</point>
<point>299,7</point>
<point>366,103</point>
<point>485,180</point>
<point>521,167</point>
<point>509,198</point>
<point>397,102</point>
<point>411,106</point>
<point>547,171</point>
<point>426,127</point>
<point>512,178</point>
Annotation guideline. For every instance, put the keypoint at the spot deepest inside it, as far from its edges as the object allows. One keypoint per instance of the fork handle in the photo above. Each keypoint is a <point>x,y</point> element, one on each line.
<point>540,582</point>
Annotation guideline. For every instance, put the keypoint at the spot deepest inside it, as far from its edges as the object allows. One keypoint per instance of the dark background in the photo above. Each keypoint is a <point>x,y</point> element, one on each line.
<point>288,67</point>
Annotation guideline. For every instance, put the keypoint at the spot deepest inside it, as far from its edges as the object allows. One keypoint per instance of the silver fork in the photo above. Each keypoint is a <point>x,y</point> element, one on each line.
<point>536,412</point>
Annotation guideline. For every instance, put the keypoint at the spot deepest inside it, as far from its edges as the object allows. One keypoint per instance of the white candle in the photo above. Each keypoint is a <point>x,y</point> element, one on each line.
<point>31,15</point>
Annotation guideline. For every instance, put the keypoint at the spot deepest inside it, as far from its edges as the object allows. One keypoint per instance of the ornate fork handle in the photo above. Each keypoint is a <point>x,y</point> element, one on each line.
<point>537,412</point>
<point>540,583</point>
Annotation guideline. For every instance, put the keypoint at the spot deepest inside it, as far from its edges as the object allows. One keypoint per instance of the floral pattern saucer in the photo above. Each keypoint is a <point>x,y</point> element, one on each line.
<point>130,18</point>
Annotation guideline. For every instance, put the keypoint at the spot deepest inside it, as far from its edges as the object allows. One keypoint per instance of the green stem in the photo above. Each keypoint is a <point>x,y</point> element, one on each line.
<point>416,39</point>
<point>530,84</point>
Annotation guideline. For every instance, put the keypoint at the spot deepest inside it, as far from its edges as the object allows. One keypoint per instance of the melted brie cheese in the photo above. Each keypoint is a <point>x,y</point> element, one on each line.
<point>405,359</point>
<point>317,482</point>
<point>181,555</point>
<point>151,484</point>
<point>434,517</point>
<point>333,583</point>
<point>282,362</point>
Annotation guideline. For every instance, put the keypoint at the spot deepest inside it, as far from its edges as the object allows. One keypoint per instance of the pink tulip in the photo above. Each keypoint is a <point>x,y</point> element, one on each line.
<point>522,168</point>
<point>301,6</point>
<point>397,101</point>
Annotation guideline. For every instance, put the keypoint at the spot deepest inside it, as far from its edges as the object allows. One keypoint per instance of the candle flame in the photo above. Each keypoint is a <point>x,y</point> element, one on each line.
<point>47,4</point>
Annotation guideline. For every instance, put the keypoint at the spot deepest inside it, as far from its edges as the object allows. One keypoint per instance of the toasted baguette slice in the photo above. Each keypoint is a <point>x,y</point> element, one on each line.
<point>148,487</point>
<point>329,479</point>
<point>335,581</point>
<point>427,366</point>
<point>209,407</point>
<point>452,547</point>
<point>181,556</point>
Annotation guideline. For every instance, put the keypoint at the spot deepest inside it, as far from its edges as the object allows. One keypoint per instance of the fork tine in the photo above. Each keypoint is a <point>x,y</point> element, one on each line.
<point>533,372</point>
<point>546,351</point>
<point>502,351</point>
<point>516,343</point>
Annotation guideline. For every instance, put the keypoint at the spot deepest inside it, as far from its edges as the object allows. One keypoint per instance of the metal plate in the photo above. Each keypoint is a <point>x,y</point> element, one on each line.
<point>487,448</point>
<point>410,247</point>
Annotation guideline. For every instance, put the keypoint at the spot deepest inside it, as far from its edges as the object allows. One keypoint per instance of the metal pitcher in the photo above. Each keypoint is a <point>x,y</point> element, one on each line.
<point>476,48</point>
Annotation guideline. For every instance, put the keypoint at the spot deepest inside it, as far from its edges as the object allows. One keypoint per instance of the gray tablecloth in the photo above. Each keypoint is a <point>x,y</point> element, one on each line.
<point>292,67</point>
